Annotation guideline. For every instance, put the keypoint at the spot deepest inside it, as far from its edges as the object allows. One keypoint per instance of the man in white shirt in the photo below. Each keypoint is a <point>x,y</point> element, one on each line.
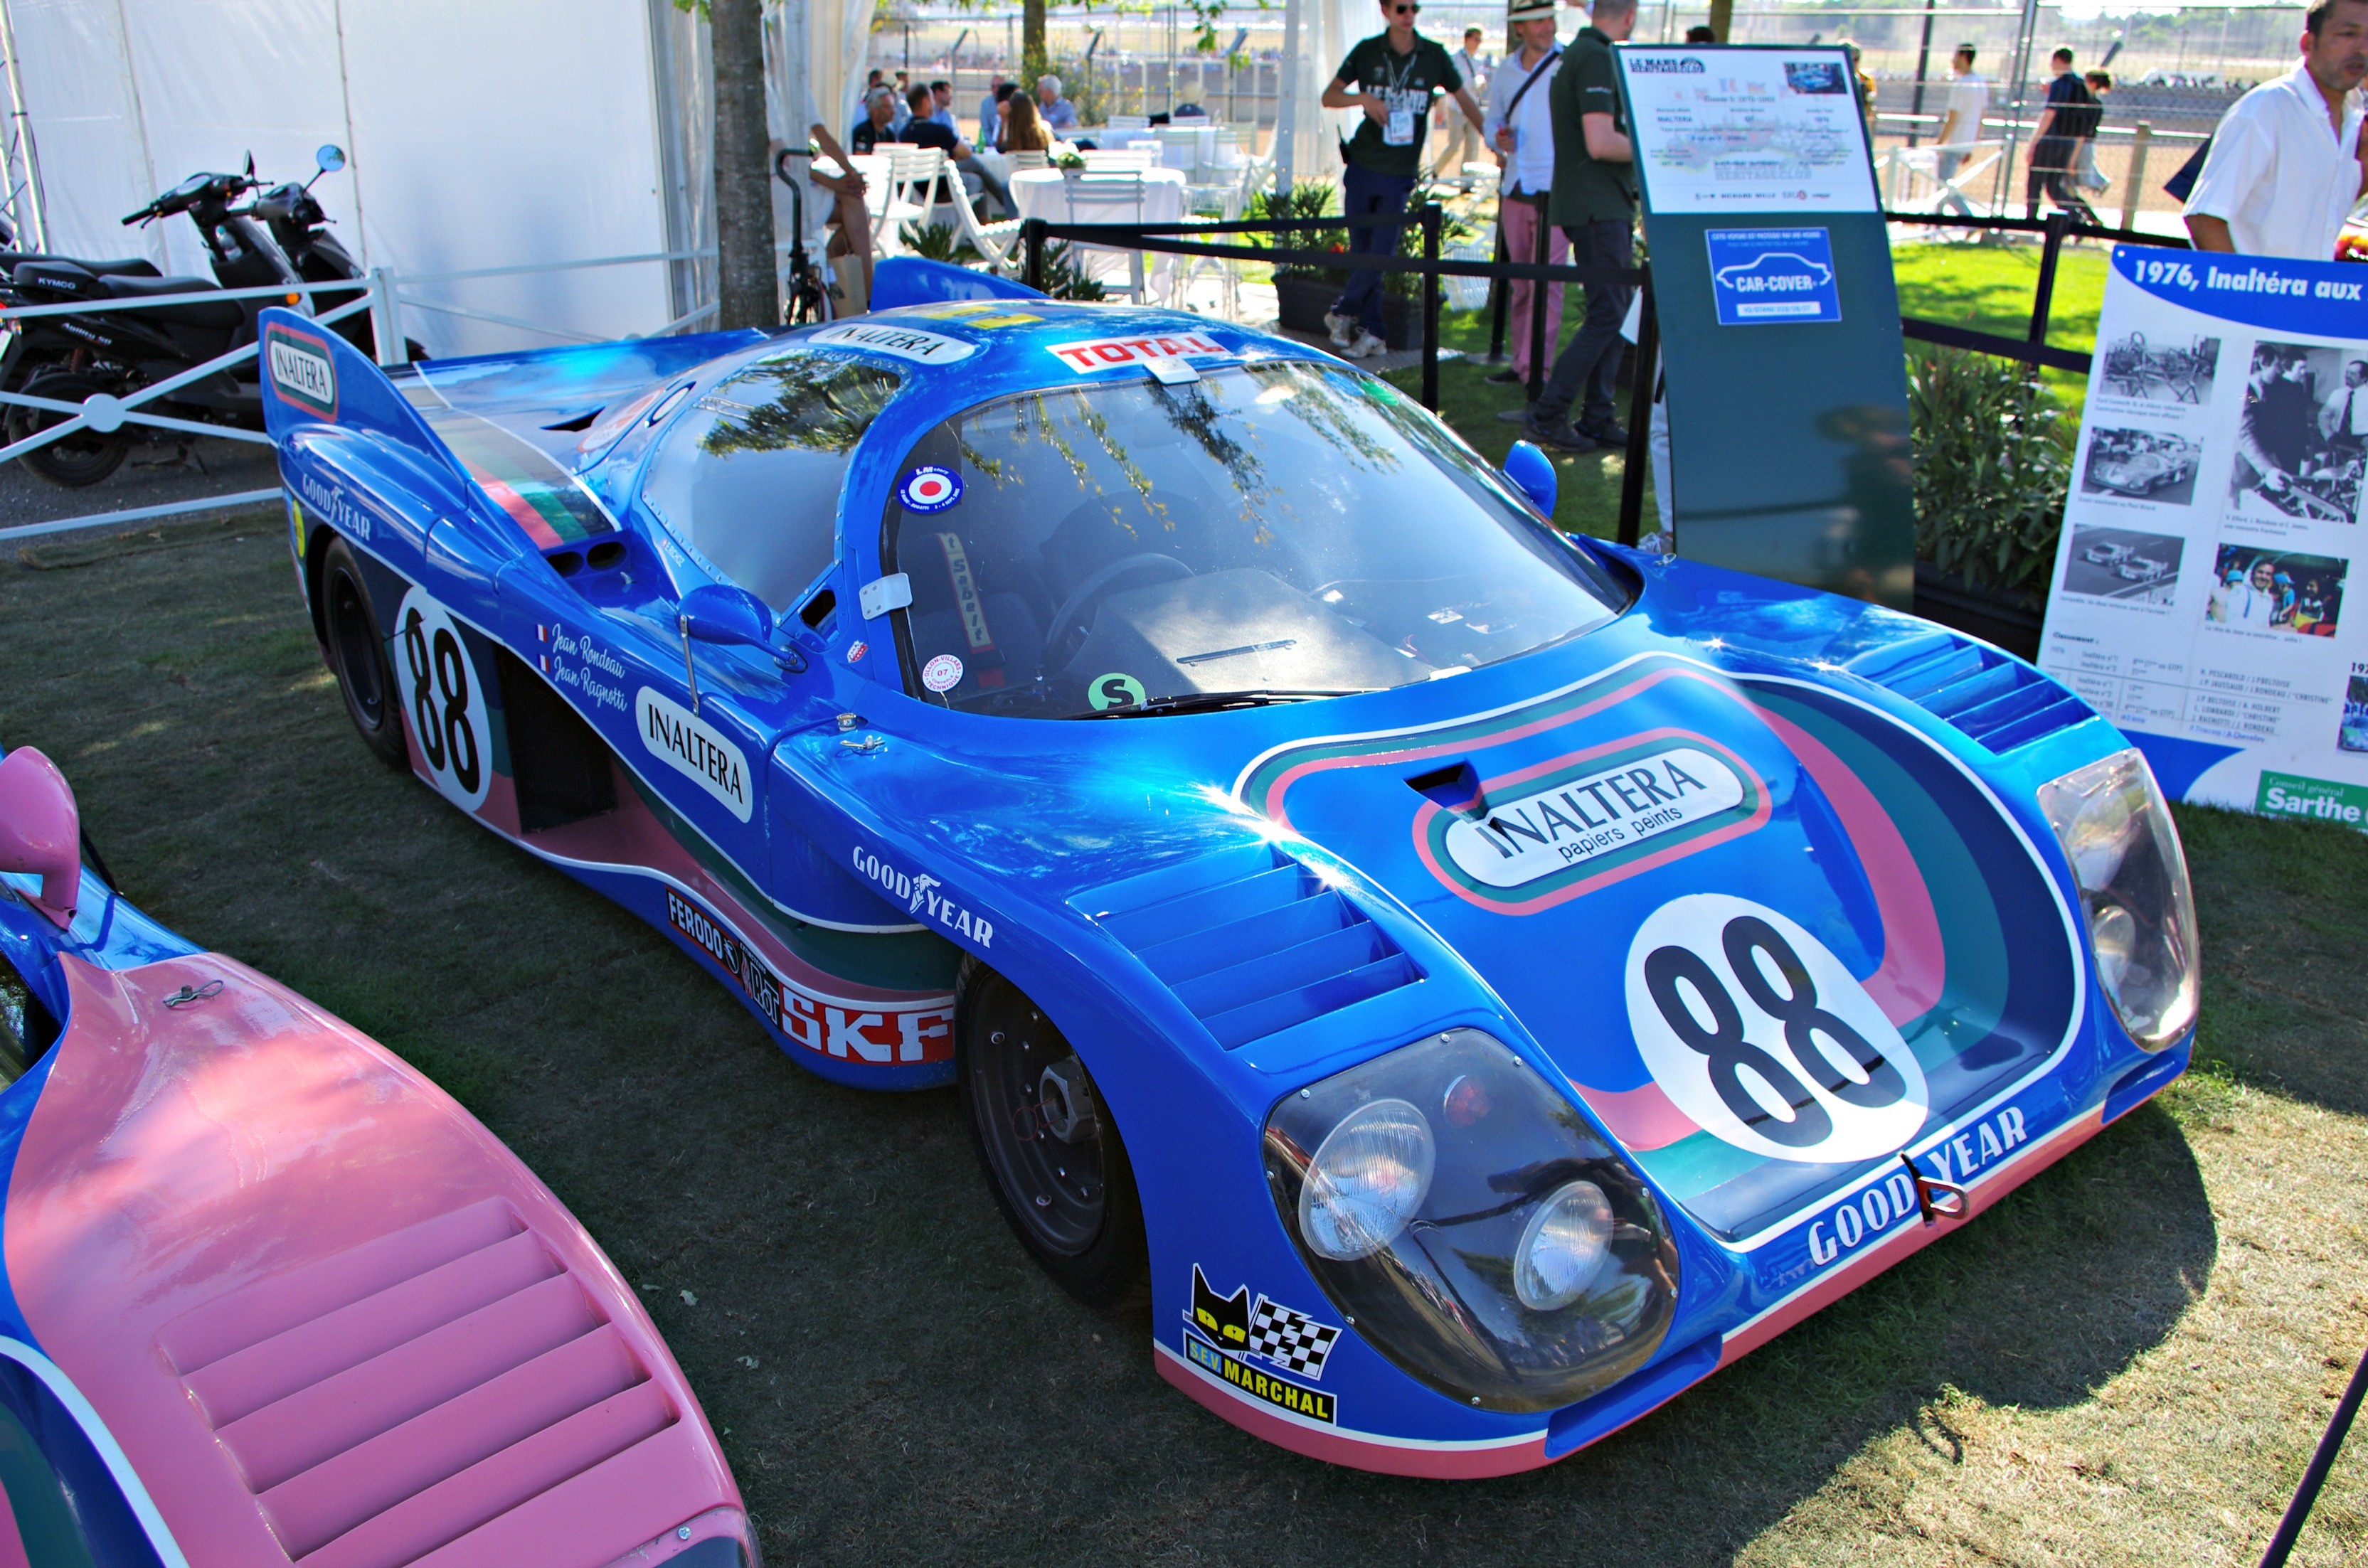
<point>2343,419</point>
<point>2284,166</point>
<point>1461,145</point>
<point>1519,127</point>
<point>1961,123</point>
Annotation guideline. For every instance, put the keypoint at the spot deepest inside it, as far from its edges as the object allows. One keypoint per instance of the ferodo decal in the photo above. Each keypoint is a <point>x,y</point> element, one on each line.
<point>1760,1035</point>
<point>822,1025</point>
<point>1224,1334</point>
<point>694,748</point>
<point>1110,353</point>
<point>301,369</point>
<point>901,342</point>
<point>922,896</point>
<point>443,698</point>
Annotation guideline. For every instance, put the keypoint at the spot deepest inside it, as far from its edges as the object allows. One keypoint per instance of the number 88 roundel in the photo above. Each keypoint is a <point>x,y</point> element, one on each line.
<point>442,700</point>
<point>1756,1031</point>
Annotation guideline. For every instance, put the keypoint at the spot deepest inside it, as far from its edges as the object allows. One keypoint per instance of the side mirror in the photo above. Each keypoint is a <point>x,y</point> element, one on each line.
<point>1532,472</point>
<point>330,158</point>
<point>41,832</point>
<point>720,614</point>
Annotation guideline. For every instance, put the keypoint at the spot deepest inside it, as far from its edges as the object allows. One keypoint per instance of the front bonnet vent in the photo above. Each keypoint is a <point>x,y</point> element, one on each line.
<point>388,1400</point>
<point>1992,698</point>
<point>1251,941</point>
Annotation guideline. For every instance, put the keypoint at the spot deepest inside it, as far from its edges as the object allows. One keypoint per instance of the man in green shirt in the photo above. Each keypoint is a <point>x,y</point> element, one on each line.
<point>1594,201</point>
<point>1395,74</point>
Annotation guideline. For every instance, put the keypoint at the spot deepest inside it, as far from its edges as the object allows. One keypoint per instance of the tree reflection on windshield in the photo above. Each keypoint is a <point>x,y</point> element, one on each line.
<point>815,403</point>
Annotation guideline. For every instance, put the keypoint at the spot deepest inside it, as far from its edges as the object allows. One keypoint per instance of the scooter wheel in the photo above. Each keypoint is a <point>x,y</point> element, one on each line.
<point>83,457</point>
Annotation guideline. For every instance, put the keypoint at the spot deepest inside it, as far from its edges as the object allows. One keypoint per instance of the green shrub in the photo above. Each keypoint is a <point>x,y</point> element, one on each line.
<point>938,242</point>
<point>1993,459</point>
<point>1312,199</point>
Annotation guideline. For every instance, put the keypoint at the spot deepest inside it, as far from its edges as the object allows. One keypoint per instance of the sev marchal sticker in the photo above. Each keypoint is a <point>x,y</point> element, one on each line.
<point>929,489</point>
<point>1223,1335</point>
<point>1112,353</point>
<point>942,674</point>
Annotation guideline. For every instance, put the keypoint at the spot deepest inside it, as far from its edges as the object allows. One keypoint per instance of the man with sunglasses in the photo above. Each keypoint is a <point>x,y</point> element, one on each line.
<point>1395,74</point>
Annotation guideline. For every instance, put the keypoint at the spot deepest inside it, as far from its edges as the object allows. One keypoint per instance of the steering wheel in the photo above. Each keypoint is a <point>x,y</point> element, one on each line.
<point>1070,618</point>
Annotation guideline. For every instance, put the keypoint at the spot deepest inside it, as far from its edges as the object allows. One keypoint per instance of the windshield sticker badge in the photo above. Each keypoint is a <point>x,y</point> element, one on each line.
<point>929,490</point>
<point>903,342</point>
<point>1115,353</point>
<point>1117,690</point>
<point>976,633</point>
<point>942,674</point>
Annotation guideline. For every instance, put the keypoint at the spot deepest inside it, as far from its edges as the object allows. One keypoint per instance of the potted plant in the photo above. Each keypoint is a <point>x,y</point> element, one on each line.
<point>1303,292</point>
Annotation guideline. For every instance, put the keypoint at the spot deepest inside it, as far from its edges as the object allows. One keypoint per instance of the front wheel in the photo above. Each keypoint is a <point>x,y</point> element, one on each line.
<point>83,457</point>
<point>1051,1154</point>
<point>358,654</point>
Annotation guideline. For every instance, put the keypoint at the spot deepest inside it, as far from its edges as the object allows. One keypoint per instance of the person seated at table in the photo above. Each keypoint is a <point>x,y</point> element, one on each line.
<point>1051,107</point>
<point>1004,91</point>
<point>1024,129</point>
<point>877,124</point>
<point>921,131</point>
<point>990,117</point>
<point>848,247</point>
<point>942,106</point>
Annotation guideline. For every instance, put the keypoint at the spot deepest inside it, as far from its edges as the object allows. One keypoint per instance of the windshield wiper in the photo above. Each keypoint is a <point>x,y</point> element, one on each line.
<point>1210,702</point>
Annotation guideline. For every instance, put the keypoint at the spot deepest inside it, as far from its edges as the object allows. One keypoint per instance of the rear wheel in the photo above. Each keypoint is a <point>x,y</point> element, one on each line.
<point>358,654</point>
<point>1051,1154</point>
<point>83,457</point>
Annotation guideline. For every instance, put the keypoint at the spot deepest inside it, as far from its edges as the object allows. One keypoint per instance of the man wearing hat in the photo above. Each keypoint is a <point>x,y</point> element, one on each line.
<point>1518,129</point>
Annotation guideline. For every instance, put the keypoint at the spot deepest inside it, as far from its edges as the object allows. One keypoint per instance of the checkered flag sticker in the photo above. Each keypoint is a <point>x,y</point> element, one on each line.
<point>1292,1341</point>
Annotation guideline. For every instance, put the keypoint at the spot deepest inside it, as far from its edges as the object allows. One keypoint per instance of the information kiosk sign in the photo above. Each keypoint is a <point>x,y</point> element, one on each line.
<point>1778,318</point>
<point>2200,599</point>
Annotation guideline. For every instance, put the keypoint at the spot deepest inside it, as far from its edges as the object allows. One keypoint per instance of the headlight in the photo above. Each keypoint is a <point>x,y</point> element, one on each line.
<point>1472,1226</point>
<point>2124,852</point>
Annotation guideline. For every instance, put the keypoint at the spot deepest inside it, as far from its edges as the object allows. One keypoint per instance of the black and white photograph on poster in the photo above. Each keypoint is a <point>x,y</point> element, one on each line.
<point>2353,735</point>
<point>2124,564</point>
<point>2275,591</point>
<point>2161,368</point>
<point>2145,465</point>
<point>2301,435</point>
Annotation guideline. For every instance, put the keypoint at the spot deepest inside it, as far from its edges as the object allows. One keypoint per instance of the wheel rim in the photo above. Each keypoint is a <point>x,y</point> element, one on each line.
<point>1040,1120</point>
<point>350,633</point>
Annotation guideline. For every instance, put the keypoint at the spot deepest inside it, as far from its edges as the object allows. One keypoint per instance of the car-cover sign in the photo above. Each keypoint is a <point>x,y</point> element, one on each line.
<point>301,369</point>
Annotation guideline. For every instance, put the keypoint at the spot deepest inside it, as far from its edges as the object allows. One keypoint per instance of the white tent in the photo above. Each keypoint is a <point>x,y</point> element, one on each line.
<point>498,133</point>
<point>1327,30</point>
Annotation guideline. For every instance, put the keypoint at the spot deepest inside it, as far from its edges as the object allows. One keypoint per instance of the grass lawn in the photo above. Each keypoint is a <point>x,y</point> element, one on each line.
<point>2126,1363</point>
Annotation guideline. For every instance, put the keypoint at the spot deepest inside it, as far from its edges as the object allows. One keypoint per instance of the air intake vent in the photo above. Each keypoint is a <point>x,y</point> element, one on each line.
<point>1250,940</point>
<point>1991,698</point>
<point>386,1402</point>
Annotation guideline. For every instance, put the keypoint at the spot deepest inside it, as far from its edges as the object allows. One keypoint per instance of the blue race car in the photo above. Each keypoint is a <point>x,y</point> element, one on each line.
<point>1487,980</point>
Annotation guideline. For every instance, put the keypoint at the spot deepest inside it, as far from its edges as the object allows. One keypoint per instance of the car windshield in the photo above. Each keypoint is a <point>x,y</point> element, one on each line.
<point>748,479</point>
<point>1282,529</point>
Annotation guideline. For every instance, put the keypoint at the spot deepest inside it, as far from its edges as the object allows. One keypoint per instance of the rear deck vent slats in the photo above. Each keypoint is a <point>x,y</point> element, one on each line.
<point>1991,699</point>
<point>387,1402</point>
<point>1251,941</point>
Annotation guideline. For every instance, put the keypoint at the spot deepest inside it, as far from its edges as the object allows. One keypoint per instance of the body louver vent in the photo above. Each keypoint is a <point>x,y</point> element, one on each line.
<point>386,1402</point>
<point>1251,941</point>
<point>1991,698</point>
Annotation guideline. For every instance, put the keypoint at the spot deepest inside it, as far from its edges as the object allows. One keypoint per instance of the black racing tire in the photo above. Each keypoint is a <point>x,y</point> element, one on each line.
<point>1069,1196</point>
<point>357,656</point>
<point>83,457</point>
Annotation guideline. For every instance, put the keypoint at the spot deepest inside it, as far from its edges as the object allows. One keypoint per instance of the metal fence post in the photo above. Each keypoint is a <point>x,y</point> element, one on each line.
<point>386,317</point>
<point>1539,288</point>
<point>2058,223</point>
<point>2134,186</point>
<point>1498,290</point>
<point>1640,419</point>
<point>1031,237</point>
<point>1431,216</point>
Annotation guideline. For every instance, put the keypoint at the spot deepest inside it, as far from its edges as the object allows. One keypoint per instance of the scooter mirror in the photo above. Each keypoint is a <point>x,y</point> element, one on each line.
<point>330,158</point>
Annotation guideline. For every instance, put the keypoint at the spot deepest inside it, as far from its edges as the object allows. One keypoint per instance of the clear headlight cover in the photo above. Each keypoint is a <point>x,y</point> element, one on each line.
<point>1472,1226</point>
<point>2124,851</point>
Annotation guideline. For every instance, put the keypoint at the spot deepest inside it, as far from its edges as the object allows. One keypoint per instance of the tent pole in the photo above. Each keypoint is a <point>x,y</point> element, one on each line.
<point>30,220</point>
<point>1287,100</point>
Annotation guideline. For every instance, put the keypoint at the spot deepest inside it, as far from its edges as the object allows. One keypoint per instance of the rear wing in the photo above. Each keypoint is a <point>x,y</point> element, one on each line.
<point>505,424</point>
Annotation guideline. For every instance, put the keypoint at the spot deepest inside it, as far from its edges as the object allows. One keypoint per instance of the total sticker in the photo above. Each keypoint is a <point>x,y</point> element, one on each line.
<point>942,674</point>
<point>1755,1029</point>
<point>929,489</point>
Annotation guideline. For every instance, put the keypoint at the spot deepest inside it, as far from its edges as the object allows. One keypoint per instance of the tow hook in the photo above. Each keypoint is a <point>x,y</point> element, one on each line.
<point>1938,1199</point>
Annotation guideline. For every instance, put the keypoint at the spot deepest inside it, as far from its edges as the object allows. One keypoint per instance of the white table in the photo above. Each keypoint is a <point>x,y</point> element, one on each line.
<point>1049,194</point>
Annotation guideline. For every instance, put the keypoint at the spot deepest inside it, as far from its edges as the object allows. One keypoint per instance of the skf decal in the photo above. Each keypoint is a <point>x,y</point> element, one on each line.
<point>301,368</point>
<point>1224,1334</point>
<point>1587,811</point>
<point>1109,352</point>
<point>1878,1208</point>
<point>903,342</point>
<point>694,748</point>
<point>919,894</point>
<point>822,1026</point>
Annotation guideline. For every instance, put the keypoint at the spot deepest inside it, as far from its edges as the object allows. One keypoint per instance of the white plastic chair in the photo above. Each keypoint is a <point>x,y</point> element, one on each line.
<point>911,181</point>
<point>1030,160</point>
<point>997,244</point>
<point>1109,196</point>
<point>1120,159</point>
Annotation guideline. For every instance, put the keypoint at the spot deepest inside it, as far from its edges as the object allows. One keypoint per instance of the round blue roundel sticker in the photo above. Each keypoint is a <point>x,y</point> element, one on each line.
<point>929,489</point>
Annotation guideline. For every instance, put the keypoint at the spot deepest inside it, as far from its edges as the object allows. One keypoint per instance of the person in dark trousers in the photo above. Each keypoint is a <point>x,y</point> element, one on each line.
<point>1594,202</point>
<point>2070,118</point>
<point>1394,72</point>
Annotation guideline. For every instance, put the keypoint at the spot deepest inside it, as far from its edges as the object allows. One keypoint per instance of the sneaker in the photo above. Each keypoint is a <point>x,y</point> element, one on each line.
<point>1508,377</point>
<point>1558,436</point>
<point>1611,433</point>
<point>1343,329</point>
<point>1366,345</point>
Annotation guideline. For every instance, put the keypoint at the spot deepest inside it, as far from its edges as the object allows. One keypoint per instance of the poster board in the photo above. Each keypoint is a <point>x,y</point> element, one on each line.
<point>1777,314</point>
<point>2201,593</point>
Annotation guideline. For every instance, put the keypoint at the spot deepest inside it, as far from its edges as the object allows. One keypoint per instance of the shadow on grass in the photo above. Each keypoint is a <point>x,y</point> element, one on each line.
<point>891,1378</point>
